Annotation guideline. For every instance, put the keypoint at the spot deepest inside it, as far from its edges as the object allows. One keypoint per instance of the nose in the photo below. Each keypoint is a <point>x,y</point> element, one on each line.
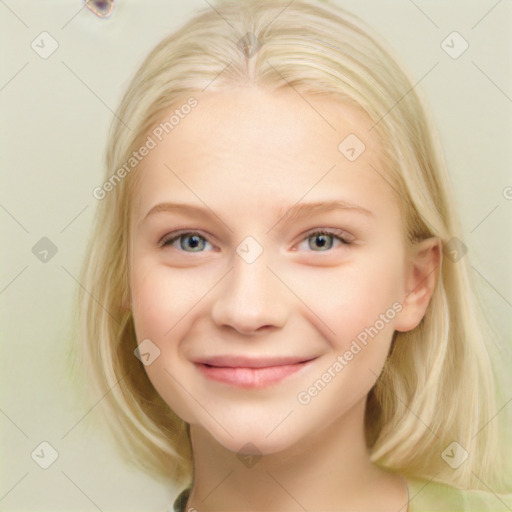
<point>251,299</point>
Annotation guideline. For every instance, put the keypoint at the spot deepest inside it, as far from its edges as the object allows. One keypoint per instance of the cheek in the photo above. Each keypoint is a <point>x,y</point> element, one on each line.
<point>352,299</point>
<point>161,300</point>
<point>161,297</point>
<point>149,304</point>
<point>359,303</point>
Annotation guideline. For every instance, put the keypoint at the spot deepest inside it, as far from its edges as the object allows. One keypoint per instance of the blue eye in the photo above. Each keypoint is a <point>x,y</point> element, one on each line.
<point>188,240</point>
<point>321,241</point>
<point>191,241</point>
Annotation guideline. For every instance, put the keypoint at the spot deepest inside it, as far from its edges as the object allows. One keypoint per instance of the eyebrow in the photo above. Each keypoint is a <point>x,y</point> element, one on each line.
<point>291,213</point>
<point>303,209</point>
<point>171,207</point>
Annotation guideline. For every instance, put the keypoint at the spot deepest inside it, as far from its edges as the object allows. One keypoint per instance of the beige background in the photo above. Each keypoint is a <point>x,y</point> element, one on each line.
<point>56,113</point>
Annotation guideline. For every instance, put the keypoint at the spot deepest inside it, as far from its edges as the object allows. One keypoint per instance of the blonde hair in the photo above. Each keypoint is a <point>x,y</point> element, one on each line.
<point>437,384</point>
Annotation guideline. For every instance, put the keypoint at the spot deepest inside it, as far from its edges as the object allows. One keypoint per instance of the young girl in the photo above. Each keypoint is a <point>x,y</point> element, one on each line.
<point>277,297</point>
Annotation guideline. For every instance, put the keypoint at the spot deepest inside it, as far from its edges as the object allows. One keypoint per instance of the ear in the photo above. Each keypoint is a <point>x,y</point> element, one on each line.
<point>422,267</point>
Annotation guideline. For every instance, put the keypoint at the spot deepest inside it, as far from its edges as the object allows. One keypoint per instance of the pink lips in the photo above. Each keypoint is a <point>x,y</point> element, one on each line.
<point>248,372</point>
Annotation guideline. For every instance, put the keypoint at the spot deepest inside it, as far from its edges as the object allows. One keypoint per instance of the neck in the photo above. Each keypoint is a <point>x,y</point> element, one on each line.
<point>330,470</point>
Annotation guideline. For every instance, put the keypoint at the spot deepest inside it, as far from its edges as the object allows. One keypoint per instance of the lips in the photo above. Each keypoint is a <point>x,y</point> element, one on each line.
<point>251,362</point>
<point>249,372</point>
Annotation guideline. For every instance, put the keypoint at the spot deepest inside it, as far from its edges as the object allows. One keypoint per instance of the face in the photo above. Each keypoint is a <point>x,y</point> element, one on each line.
<point>267,268</point>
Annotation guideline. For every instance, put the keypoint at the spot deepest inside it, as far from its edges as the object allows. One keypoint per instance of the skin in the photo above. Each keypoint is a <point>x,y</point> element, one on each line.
<point>249,155</point>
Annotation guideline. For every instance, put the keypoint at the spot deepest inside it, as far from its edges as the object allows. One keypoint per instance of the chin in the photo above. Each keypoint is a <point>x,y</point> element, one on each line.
<point>255,439</point>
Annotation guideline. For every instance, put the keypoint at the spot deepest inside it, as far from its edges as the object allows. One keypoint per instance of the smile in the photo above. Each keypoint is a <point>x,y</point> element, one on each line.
<point>249,374</point>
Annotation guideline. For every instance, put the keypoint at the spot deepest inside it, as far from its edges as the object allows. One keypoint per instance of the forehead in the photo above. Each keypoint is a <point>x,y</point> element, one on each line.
<point>278,124</point>
<point>248,146</point>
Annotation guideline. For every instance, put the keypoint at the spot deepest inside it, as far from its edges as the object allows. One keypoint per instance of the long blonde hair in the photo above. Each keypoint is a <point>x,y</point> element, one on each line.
<point>437,384</point>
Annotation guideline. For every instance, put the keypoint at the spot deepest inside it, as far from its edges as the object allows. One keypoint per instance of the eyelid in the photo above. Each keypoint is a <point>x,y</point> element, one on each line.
<point>342,235</point>
<point>173,236</point>
<point>346,237</point>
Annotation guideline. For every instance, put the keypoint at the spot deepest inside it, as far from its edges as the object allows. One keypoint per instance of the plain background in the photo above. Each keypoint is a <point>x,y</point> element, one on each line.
<point>56,113</point>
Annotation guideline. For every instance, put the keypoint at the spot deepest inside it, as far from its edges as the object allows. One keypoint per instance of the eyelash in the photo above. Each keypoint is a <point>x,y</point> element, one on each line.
<point>170,238</point>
